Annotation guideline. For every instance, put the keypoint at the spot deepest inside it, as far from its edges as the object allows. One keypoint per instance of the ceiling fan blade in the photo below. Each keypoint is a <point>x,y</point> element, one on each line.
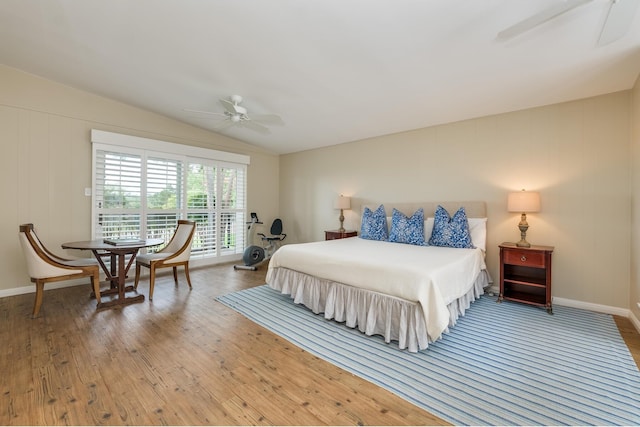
<point>224,125</point>
<point>268,119</point>
<point>619,19</point>
<point>229,106</point>
<point>209,113</point>
<point>540,18</point>
<point>249,124</point>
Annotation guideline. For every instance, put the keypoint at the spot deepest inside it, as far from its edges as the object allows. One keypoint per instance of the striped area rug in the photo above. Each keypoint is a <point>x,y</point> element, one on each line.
<point>502,364</point>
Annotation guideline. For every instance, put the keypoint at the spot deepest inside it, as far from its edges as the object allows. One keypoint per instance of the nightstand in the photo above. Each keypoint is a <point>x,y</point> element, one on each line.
<point>525,274</point>
<point>337,234</point>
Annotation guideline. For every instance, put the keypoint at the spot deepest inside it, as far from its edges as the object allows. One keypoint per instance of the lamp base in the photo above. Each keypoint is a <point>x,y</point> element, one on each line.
<point>341,229</point>
<point>523,226</point>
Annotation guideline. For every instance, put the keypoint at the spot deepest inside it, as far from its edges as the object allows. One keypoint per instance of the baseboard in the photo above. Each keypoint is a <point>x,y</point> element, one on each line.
<point>635,321</point>
<point>493,289</point>
<point>624,312</point>
<point>31,288</point>
<point>617,311</point>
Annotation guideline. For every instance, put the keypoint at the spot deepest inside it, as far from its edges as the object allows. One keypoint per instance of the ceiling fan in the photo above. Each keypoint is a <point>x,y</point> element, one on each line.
<point>236,115</point>
<point>619,19</point>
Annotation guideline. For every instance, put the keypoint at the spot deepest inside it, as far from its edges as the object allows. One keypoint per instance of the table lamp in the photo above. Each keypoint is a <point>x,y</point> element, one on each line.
<point>523,202</point>
<point>342,203</point>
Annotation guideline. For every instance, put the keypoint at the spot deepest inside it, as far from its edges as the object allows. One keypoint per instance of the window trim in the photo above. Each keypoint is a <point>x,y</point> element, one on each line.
<point>110,138</point>
<point>103,140</point>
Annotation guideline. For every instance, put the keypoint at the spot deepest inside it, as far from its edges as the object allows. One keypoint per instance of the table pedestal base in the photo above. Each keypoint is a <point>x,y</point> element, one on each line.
<point>111,291</point>
<point>121,301</point>
<point>116,272</point>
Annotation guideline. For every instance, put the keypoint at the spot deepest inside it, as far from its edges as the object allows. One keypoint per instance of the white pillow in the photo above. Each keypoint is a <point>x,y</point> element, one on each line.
<point>428,228</point>
<point>477,229</point>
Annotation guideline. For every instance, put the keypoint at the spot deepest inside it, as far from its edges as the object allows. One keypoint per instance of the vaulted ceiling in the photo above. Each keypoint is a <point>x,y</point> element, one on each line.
<point>334,70</point>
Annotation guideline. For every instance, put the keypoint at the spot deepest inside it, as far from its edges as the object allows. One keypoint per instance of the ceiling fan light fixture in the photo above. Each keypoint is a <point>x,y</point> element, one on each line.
<point>235,114</point>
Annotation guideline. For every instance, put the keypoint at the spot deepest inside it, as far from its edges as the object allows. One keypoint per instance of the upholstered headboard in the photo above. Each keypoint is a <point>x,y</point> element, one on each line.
<point>474,209</point>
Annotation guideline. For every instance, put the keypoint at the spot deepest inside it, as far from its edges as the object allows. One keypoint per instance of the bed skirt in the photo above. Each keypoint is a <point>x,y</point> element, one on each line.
<point>373,313</point>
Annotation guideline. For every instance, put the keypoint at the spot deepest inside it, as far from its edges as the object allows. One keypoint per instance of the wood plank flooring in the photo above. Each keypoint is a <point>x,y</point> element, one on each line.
<point>183,359</point>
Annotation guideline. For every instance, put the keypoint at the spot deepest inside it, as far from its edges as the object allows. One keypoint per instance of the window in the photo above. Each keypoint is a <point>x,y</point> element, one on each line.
<point>143,191</point>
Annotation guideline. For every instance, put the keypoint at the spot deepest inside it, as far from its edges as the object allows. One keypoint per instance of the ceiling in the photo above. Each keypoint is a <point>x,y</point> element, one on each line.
<point>334,70</point>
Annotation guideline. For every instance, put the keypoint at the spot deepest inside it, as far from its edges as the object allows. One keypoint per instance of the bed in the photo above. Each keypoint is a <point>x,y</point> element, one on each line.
<point>409,293</point>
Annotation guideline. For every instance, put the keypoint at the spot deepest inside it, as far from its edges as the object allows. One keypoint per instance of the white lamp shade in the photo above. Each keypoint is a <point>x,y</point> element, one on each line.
<point>342,203</point>
<point>524,201</point>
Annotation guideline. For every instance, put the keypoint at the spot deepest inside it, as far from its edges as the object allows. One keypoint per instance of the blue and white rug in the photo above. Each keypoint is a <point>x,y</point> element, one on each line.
<point>502,364</point>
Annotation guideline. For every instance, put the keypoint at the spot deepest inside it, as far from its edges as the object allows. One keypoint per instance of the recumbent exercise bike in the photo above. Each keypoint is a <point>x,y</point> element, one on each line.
<point>253,254</point>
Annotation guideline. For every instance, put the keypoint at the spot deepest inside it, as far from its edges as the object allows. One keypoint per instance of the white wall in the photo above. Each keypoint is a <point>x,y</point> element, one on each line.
<point>46,161</point>
<point>634,293</point>
<point>577,154</point>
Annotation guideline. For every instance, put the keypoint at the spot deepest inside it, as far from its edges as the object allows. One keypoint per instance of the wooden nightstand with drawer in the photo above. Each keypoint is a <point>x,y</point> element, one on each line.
<point>525,274</point>
<point>337,234</point>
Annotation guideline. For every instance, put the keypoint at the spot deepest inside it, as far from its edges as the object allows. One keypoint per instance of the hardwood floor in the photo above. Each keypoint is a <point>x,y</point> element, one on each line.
<point>183,359</point>
<point>631,337</point>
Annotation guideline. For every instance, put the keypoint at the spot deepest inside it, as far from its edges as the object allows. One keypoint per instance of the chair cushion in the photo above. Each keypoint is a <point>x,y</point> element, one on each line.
<point>147,258</point>
<point>80,262</point>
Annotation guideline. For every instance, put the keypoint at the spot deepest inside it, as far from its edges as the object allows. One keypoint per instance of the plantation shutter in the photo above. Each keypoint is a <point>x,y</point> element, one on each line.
<point>232,209</point>
<point>163,196</point>
<point>141,192</point>
<point>216,198</point>
<point>117,194</point>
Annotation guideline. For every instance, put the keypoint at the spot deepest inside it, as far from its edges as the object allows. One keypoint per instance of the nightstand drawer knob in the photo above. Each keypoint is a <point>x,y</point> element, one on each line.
<point>523,258</point>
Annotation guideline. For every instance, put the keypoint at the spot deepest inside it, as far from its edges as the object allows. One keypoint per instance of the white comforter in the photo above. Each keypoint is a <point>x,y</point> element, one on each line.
<point>432,276</point>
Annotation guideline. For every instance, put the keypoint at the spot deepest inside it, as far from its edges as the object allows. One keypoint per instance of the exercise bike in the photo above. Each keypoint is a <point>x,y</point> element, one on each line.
<point>253,254</point>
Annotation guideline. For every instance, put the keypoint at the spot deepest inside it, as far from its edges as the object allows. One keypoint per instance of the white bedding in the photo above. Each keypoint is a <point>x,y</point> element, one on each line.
<point>431,276</point>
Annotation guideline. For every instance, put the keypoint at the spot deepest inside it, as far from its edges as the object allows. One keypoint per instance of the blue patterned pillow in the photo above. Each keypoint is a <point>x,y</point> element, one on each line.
<point>407,230</point>
<point>374,224</point>
<point>451,232</point>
